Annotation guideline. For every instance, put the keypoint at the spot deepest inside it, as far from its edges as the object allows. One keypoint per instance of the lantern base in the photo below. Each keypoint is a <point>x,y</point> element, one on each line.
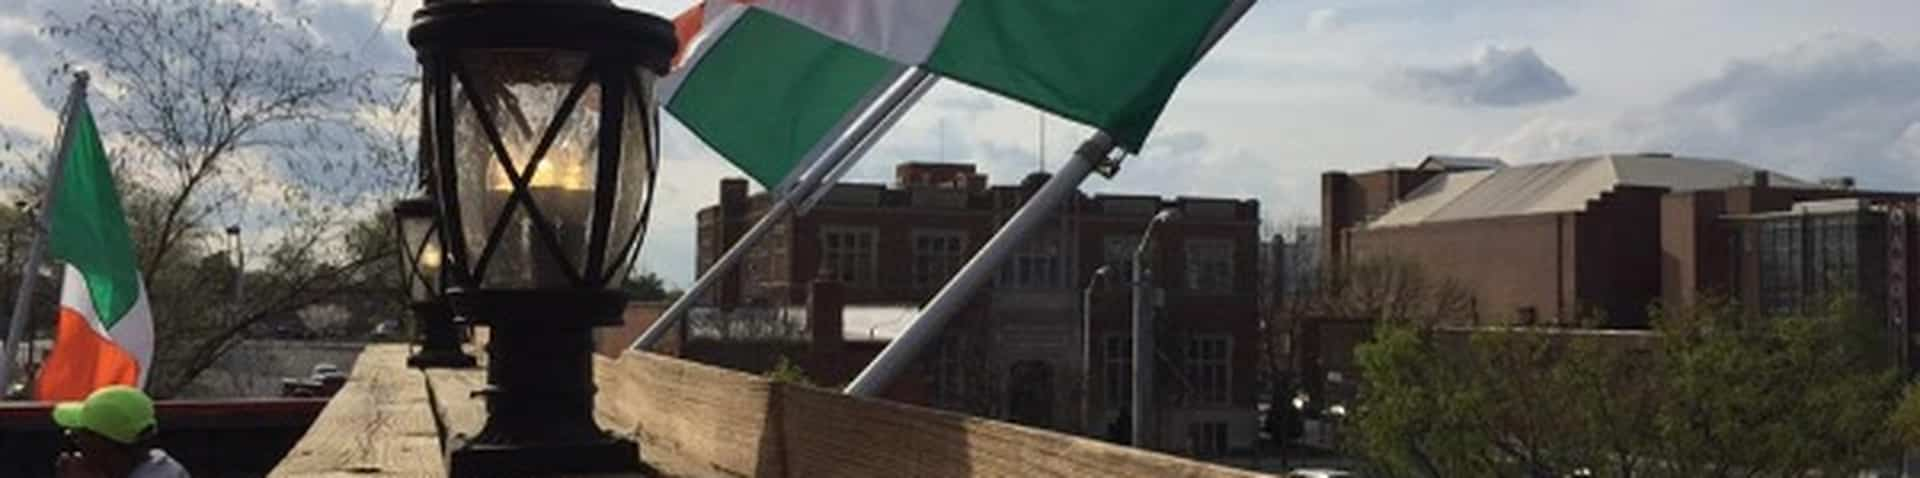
<point>433,358</point>
<point>606,455</point>
<point>439,339</point>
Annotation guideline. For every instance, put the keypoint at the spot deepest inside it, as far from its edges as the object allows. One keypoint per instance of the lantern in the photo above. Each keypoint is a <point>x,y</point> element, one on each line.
<point>422,281</point>
<point>542,131</point>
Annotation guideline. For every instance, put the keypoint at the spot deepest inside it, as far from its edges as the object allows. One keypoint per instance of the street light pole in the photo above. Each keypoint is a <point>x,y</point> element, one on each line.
<point>1086,344</point>
<point>1143,332</point>
<point>239,263</point>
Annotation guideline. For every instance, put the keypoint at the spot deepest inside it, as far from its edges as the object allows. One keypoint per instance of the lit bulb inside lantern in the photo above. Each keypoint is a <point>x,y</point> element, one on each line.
<point>564,168</point>
<point>430,257</point>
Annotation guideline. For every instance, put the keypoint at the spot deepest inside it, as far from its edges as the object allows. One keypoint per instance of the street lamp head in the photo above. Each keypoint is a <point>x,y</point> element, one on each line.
<point>1166,215</point>
<point>1103,271</point>
<point>541,134</point>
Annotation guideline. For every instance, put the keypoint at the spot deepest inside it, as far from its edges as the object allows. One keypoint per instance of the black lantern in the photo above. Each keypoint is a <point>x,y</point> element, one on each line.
<point>542,130</point>
<point>423,280</point>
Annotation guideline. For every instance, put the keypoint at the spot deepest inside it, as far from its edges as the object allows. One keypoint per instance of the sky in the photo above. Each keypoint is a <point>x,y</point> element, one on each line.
<point>1810,89</point>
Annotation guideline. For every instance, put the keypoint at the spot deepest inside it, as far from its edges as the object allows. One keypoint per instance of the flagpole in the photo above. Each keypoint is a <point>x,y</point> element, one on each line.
<point>30,270</point>
<point>917,85</point>
<point>817,178</point>
<point>1093,154</point>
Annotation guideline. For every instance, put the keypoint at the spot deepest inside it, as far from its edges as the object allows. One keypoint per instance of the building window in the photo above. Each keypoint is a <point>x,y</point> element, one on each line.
<point>1117,356</point>
<point>1804,259</point>
<point>1208,368</point>
<point>1209,439</point>
<point>936,256</point>
<point>1037,265</point>
<point>1780,264</point>
<point>1836,256</point>
<point>848,253</point>
<point>1210,265</point>
<point>1119,253</point>
<point>948,377</point>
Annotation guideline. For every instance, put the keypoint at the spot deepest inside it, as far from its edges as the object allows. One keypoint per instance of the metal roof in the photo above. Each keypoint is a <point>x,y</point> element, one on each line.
<point>859,322</point>
<point>1452,163</point>
<point>1562,186</point>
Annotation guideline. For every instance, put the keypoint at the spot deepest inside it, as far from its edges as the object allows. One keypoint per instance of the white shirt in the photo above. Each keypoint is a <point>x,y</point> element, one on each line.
<point>159,465</point>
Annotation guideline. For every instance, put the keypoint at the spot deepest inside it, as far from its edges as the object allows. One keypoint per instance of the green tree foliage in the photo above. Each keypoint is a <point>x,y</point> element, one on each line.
<point>1710,391</point>
<point>217,113</point>
<point>647,287</point>
<point>785,371</point>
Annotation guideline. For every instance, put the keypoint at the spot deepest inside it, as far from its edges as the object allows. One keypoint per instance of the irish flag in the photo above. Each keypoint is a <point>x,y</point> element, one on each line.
<point>767,82</point>
<point>105,334</point>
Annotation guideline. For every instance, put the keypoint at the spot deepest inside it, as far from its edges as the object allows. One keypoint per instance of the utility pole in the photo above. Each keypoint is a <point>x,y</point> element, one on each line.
<point>1086,344</point>
<point>1143,332</point>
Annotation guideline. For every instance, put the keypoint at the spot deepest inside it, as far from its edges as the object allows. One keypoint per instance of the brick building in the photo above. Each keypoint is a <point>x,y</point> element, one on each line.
<point>1017,350</point>
<point>1609,236</point>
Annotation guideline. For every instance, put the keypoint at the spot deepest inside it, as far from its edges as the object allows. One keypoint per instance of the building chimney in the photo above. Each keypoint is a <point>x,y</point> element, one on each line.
<point>733,197</point>
<point>733,224</point>
<point>826,302</point>
<point>1335,215</point>
<point>1762,180</point>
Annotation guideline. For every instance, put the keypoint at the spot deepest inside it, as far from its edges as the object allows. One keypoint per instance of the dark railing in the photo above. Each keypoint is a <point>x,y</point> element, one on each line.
<point>228,438</point>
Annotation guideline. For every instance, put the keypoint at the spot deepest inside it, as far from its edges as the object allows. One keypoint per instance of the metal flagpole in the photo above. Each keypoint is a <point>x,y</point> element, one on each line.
<point>1094,153</point>
<point>30,271</point>
<point>819,177</point>
<point>948,302</point>
<point>916,86</point>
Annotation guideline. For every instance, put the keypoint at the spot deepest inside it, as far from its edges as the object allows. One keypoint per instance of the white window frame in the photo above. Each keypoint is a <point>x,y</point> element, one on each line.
<point>925,260</point>
<point>1197,257</point>
<point>1024,270</point>
<point>1208,438</point>
<point>1117,250</point>
<point>948,377</point>
<point>1196,368</point>
<point>851,275</point>
<point>1116,365</point>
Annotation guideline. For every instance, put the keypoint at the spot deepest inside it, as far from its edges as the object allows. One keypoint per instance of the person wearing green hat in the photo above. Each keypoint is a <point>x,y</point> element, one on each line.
<point>110,431</point>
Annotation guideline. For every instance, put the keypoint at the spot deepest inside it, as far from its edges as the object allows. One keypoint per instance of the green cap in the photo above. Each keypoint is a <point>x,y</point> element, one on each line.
<point>119,413</point>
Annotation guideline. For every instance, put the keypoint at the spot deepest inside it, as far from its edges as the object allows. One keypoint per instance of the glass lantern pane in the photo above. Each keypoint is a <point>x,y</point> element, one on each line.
<point>522,90</point>
<point>636,175</point>
<point>423,257</point>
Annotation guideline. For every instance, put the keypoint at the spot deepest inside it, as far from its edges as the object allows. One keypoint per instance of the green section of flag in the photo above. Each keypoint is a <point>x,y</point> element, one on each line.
<point>1112,64</point>
<point>88,228</point>
<point>770,89</point>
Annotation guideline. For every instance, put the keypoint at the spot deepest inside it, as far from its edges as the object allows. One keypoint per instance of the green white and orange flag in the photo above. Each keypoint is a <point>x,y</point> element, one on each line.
<point>105,334</point>
<point>767,82</point>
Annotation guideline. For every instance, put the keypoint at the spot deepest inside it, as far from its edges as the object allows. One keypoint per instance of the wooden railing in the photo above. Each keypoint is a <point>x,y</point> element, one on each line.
<point>697,420</point>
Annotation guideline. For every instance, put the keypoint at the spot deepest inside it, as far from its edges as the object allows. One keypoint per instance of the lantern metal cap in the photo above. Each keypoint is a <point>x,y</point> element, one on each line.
<point>413,207</point>
<point>584,25</point>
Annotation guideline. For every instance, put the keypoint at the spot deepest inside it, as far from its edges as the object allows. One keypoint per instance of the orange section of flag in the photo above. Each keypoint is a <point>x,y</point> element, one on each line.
<point>686,26</point>
<point>84,361</point>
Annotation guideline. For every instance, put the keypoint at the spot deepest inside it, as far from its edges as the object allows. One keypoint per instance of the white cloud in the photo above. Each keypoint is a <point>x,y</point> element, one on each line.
<point>1495,76</point>
<point>1295,90</point>
<point>20,109</point>
<point>1829,106</point>
<point>1325,20</point>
